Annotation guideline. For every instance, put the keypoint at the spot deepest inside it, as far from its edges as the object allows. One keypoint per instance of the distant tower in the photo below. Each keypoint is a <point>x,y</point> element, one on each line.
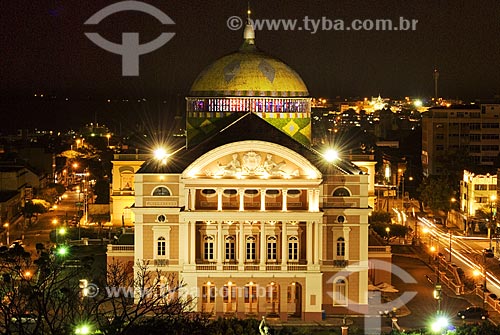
<point>436,77</point>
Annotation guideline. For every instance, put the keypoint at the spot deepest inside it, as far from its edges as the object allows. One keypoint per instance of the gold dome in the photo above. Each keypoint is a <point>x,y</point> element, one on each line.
<point>248,72</point>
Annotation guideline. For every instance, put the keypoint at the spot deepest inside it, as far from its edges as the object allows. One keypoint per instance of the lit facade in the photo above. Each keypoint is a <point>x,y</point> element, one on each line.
<point>250,216</point>
<point>477,192</point>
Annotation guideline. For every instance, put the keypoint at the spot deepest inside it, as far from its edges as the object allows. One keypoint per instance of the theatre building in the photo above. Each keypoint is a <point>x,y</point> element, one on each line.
<point>247,211</point>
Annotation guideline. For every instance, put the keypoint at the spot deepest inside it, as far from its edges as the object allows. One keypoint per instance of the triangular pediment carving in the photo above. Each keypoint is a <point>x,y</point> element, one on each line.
<point>252,159</point>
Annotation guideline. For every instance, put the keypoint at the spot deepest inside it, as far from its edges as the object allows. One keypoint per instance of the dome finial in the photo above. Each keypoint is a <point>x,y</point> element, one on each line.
<point>249,33</point>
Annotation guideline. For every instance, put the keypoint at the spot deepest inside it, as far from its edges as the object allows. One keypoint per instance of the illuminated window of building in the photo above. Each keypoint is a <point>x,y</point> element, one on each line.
<point>161,191</point>
<point>273,193</point>
<point>230,248</point>
<point>208,293</point>
<point>340,291</point>
<point>341,192</point>
<point>271,248</point>
<point>250,245</point>
<point>161,245</point>
<point>230,192</point>
<point>340,246</point>
<point>293,248</point>
<point>208,248</point>
<point>294,193</point>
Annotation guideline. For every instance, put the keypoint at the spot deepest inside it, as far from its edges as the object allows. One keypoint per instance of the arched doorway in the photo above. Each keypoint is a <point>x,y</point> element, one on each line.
<point>294,303</point>
<point>251,299</point>
<point>229,295</point>
<point>273,299</point>
<point>208,298</point>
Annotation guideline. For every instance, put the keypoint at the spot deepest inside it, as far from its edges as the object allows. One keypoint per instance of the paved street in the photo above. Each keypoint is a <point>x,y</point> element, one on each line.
<point>40,227</point>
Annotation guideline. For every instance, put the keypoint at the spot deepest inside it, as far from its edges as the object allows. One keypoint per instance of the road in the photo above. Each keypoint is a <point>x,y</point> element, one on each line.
<point>40,228</point>
<point>466,252</point>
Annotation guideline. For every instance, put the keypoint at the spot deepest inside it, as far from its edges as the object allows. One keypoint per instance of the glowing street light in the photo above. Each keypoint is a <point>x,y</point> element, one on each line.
<point>83,329</point>
<point>108,136</point>
<point>440,324</point>
<point>7,226</point>
<point>161,155</point>
<point>331,155</point>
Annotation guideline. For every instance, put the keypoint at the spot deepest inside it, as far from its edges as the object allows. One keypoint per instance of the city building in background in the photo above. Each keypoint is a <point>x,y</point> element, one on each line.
<point>470,130</point>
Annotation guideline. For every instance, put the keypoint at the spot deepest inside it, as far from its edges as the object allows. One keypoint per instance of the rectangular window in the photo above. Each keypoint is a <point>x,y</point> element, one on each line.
<point>230,249</point>
<point>250,248</point>
<point>208,251</point>
<point>293,249</point>
<point>271,248</point>
<point>161,248</point>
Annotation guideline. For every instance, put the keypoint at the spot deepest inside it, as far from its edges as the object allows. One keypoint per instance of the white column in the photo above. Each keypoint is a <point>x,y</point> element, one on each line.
<point>284,244</point>
<point>320,241</point>
<point>317,242</point>
<point>316,200</point>
<point>284,193</point>
<point>187,200</point>
<point>310,200</point>
<point>309,241</point>
<point>262,199</point>
<point>219,199</point>
<point>262,243</point>
<point>192,243</point>
<point>220,243</point>
<point>192,192</point>
<point>241,249</point>
<point>183,240</point>
<point>241,192</point>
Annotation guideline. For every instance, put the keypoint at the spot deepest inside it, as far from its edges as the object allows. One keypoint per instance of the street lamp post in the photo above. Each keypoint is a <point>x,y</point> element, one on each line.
<point>492,222</point>
<point>7,225</point>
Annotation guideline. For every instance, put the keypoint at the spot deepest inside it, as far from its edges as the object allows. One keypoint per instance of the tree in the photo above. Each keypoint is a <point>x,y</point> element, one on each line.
<point>133,297</point>
<point>35,206</point>
<point>437,192</point>
<point>56,295</point>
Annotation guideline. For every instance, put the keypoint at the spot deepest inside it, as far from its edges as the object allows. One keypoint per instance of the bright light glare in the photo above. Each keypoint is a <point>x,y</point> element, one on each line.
<point>331,155</point>
<point>84,329</point>
<point>160,153</point>
<point>418,103</point>
<point>439,324</point>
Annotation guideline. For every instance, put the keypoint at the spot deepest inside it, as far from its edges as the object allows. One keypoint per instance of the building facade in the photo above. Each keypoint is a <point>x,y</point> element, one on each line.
<point>251,217</point>
<point>472,129</point>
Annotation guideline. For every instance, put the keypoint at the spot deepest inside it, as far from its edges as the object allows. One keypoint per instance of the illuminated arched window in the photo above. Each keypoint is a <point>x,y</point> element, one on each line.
<point>341,192</point>
<point>161,191</point>
<point>230,248</point>
<point>293,248</point>
<point>340,291</point>
<point>271,248</point>
<point>250,245</point>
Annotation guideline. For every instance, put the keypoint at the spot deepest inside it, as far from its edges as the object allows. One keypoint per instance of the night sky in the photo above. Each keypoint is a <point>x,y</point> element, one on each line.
<point>44,49</point>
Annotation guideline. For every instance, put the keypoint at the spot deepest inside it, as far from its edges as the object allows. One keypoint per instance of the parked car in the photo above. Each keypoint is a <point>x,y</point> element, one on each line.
<point>473,312</point>
<point>488,253</point>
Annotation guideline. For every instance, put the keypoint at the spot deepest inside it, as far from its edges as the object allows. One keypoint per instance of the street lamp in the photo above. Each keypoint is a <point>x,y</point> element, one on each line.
<point>108,136</point>
<point>6,225</point>
<point>492,222</point>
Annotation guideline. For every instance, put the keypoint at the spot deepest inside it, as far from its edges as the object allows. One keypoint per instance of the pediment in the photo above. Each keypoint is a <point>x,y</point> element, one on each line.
<point>252,159</point>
